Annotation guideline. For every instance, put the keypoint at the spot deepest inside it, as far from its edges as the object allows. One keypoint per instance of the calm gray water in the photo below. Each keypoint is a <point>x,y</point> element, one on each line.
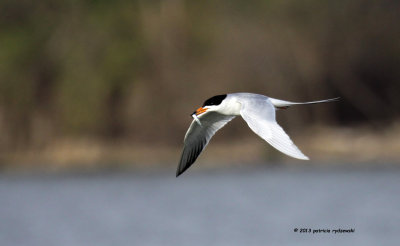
<point>254,206</point>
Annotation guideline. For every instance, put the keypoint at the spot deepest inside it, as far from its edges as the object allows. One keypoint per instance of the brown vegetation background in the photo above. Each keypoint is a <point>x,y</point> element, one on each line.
<point>87,84</point>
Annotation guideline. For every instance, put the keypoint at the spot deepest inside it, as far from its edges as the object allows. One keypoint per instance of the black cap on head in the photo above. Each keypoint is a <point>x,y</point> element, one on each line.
<point>215,100</point>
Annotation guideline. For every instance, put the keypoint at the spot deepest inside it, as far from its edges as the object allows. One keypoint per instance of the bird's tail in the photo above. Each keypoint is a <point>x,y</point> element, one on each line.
<point>281,104</point>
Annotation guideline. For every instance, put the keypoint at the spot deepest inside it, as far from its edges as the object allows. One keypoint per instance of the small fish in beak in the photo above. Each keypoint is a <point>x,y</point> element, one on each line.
<point>196,119</point>
<point>198,112</point>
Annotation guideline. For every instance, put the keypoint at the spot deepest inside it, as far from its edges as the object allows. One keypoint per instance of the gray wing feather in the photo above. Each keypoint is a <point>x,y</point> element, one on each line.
<point>260,117</point>
<point>197,137</point>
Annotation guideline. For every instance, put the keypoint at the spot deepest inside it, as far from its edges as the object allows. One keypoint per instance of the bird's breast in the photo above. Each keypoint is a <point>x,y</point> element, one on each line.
<point>232,108</point>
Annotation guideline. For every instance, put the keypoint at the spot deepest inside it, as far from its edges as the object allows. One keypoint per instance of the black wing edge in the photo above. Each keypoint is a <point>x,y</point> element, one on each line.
<point>189,156</point>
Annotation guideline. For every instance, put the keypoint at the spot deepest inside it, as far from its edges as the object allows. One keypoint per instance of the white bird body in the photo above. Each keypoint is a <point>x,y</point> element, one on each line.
<point>257,110</point>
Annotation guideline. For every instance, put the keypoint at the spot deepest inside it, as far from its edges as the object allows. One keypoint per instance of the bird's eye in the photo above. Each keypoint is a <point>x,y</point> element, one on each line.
<point>215,100</point>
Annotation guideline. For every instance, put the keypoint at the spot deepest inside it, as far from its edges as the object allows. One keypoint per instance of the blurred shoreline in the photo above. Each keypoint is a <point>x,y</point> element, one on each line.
<point>324,146</point>
<point>111,84</point>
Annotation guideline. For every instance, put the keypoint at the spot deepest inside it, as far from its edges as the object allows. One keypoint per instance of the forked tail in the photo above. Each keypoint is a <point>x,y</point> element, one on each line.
<point>281,104</point>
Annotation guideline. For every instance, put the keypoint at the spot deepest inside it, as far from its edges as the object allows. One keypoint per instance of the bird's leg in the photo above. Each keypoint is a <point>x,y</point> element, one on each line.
<point>282,107</point>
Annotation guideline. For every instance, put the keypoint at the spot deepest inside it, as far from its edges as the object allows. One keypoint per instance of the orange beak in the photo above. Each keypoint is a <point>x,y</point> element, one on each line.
<point>200,110</point>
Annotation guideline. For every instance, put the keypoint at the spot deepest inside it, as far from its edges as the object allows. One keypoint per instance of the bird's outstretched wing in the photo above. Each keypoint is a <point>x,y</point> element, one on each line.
<point>260,116</point>
<point>197,137</point>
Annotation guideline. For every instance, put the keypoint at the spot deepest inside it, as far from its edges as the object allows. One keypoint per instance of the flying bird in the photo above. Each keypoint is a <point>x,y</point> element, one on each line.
<point>257,110</point>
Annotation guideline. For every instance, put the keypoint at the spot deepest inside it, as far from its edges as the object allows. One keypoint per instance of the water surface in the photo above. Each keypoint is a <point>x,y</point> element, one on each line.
<point>246,206</point>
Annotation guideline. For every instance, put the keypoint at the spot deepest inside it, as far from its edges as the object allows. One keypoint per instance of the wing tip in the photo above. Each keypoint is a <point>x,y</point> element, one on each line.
<point>299,156</point>
<point>305,158</point>
<point>179,172</point>
<point>181,169</point>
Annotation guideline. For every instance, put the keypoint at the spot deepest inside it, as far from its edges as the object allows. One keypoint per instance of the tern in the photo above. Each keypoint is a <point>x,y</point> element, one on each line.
<point>257,110</point>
